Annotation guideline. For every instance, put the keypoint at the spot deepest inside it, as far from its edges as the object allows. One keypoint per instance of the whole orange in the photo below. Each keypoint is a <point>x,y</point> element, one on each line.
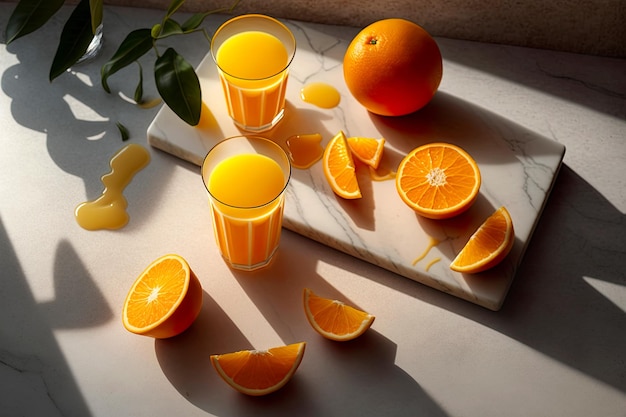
<point>393,67</point>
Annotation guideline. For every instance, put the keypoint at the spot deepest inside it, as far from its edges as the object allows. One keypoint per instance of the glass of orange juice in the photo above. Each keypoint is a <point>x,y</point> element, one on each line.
<point>253,53</point>
<point>246,177</point>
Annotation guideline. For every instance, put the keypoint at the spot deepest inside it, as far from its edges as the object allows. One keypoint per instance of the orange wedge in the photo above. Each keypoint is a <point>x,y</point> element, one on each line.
<point>333,319</point>
<point>488,246</point>
<point>259,372</point>
<point>367,150</point>
<point>438,180</point>
<point>339,168</point>
<point>164,300</point>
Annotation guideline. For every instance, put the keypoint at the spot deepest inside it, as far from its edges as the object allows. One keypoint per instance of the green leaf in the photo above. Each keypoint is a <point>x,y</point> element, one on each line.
<point>196,19</point>
<point>178,85</point>
<point>174,5</point>
<point>75,39</point>
<point>139,90</point>
<point>123,131</point>
<point>96,8</point>
<point>170,27</point>
<point>134,46</point>
<point>30,15</point>
<point>193,22</point>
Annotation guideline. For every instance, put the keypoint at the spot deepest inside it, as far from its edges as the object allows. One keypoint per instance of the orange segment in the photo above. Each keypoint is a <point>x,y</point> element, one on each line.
<point>259,372</point>
<point>489,244</point>
<point>333,319</point>
<point>367,150</point>
<point>438,180</point>
<point>339,168</point>
<point>164,300</point>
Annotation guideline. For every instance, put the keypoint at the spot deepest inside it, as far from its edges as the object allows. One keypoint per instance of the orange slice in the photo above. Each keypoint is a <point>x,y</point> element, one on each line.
<point>339,168</point>
<point>164,300</point>
<point>333,319</point>
<point>438,180</point>
<point>259,372</point>
<point>367,150</point>
<point>489,244</point>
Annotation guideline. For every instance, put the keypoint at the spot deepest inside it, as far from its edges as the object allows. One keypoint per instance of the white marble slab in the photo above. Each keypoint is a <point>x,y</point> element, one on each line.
<point>518,168</point>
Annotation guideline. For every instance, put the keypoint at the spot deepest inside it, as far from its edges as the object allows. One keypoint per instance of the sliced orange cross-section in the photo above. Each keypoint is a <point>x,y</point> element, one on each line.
<point>367,150</point>
<point>333,319</point>
<point>339,168</point>
<point>164,300</point>
<point>438,180</point>
<point>259,372</point>
<point>489,244</point>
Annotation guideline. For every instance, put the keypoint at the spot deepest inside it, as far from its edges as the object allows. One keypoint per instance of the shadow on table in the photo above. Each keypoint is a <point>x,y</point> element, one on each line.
<point>352,378</point>
<point>36,377</point>
<point>79,118</point>
<point>359,377</point>
<point>572,77</point>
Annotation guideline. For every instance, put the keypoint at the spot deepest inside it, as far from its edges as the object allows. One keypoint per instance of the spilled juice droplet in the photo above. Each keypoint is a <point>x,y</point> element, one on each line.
<point>321,95</point>
<point>109,210</point>
<point>305,150</point>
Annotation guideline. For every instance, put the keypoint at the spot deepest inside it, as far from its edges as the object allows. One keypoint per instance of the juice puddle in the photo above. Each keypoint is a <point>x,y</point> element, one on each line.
<point>304,150</point>
<point>109,210</point>
<point>321,95</point>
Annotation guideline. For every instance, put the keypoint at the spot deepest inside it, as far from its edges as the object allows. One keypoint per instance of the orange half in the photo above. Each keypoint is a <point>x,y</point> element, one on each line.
<point>333,319</point>
<point>259,372</point>
<point>438,180</point>
<point>339,168</point>
<point>489,244</point>
<point>164,300</point>
<point>367,150</point>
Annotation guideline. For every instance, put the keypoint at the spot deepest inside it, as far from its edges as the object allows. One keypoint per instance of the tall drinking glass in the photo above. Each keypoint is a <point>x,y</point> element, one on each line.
<point>253,53</point>
<point>246,177</point>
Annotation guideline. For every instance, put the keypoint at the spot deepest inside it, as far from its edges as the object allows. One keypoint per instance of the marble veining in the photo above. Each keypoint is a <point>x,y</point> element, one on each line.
<point>518,169</point>
<point>28,384</point>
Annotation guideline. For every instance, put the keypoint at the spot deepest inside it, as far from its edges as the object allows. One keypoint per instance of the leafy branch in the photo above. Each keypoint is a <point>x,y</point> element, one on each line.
<point>176,80</point>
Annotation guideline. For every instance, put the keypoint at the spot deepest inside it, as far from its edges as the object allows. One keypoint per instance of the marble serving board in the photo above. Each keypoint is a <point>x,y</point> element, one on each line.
<point>518,169</point>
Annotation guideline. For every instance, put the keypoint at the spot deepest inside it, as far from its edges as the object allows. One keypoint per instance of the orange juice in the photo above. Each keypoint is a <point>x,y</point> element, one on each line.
<point>254,58</point>
<point>253,68</point>
<point>247,201</point>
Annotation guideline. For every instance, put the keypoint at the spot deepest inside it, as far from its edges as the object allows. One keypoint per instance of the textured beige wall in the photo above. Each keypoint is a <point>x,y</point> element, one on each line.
<point>586,26</point>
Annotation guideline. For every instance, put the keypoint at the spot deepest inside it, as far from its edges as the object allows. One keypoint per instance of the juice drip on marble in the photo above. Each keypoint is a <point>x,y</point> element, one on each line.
<point>321,95</point>
<point>109,210</point>
<point>304,150</point>
<point>431,244</point>
<point>431,263</point>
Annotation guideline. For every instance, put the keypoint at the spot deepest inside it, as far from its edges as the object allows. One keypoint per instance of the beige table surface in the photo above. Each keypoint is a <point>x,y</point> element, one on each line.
<point>556,348</point>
